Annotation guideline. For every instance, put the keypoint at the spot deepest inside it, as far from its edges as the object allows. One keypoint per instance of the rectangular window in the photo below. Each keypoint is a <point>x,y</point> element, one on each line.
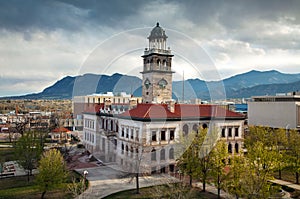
<point>172,134</point>
<point>131,134</point>
<point>163,135</point>
<point>103,144</point>
<point>115,144</point>
<point>223,132</point>
<point>122,134</point>
<point>229,132</point>
<point>153,136</point>
<point>127,133</point>
<point>137,135</point>
<point>236,131</point>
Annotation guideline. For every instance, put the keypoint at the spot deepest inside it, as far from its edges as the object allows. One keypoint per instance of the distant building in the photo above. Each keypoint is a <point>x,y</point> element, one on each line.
<point>280,111</point>
<point>61,134</point>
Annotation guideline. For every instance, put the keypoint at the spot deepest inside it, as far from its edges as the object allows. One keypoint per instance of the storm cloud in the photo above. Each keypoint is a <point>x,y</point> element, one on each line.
<point>43,41</point>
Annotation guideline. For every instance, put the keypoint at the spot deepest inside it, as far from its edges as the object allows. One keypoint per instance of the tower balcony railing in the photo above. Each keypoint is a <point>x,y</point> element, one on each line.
<point>155,50</point>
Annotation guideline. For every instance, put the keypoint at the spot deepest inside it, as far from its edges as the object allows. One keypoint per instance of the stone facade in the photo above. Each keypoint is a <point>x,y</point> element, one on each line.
<point>157,73</point>
<point>143,138</point>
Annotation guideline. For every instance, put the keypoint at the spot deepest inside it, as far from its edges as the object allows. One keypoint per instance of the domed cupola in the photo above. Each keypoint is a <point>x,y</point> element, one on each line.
<point>157,33</point>
<point>157,38</point>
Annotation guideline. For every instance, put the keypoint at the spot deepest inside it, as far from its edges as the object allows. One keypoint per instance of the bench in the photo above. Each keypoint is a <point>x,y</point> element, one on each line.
<point>4,175</point>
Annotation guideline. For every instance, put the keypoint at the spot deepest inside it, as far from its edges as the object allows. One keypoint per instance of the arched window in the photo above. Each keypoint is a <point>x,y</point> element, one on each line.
<point>126,149</point>
<point>185,129</point>
<point>229,148</point>
<point>131,151</point>
<point>153,155</point>
<point>165,64</point>
<point>236,146</point>
<point>195,128</point>
<point>159,63</point>
<point>111,125</point>
<point>162,154</point>
<point>171,153</point>
<point>117,127</point>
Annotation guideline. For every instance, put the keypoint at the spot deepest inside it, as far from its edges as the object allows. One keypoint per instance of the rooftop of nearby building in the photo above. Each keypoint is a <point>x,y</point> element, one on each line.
<point>163,111</point>
<point>60,129</point>
<point>280,97</point>
<point>110,94</point>
<point>181,112</point>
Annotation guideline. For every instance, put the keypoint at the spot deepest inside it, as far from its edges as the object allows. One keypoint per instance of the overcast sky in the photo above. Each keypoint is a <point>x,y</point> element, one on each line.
<point>42,41</point>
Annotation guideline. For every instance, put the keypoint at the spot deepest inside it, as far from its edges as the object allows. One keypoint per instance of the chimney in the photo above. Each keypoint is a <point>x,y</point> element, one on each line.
<point>171,106</point>
<point>133,103</point>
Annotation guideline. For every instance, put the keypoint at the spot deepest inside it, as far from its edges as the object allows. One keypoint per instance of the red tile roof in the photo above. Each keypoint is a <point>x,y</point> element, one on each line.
<point>182,111</point>
<point>60,129</point>
<point>93,108</point>
<point>150,111</point>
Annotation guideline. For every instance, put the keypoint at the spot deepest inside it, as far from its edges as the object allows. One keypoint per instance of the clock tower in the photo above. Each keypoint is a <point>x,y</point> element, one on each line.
<point>157,73</point>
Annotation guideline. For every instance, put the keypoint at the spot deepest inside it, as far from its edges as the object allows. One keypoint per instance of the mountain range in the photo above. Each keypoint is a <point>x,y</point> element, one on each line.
<point>252,83</point>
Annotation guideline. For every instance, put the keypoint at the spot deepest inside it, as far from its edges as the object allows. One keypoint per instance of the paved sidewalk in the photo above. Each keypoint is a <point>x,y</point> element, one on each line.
<point>285,183</point>
<point>212,189</point>
<point>105,181</point>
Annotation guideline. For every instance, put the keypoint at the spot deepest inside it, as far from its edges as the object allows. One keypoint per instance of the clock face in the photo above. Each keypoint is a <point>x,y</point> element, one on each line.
<point>162,83</point>
<point>147,83</point>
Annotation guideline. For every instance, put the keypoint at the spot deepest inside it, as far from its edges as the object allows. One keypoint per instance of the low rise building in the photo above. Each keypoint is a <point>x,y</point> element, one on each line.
<point>280,111</point>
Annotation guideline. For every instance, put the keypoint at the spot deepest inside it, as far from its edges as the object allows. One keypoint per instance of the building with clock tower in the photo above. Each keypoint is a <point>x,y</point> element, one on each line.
<point>157,73</point>
<point>140,134</point>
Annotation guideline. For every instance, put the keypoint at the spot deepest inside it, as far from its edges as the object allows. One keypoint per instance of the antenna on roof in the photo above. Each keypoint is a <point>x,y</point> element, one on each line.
<point>183,86</point>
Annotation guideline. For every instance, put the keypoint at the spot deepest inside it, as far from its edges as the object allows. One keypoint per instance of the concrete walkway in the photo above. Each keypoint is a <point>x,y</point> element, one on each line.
<point>212,189</point>
<point>285,183</point>
<point>105,181</point>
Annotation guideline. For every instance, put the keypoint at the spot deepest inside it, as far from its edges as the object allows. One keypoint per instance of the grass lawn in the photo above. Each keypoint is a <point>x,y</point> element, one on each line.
<point>7,154</point>
<point>164,191</point>
<point>286,175</point>
<point>18,187</point>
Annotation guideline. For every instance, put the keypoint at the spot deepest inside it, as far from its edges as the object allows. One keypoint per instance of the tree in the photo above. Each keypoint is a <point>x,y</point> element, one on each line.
<point>2,161</point>
<point>219,156</point>
<point>20,126</point>
<point>28,150</point>
<point>236,173</point>
<point>196,160</point>
<point>273,139</point>
<point>76,188</point>
<point>261,162</point>
<point>207,139</point>
<point>294,153</point>
<point>188,152</point>
<point>52,171</point>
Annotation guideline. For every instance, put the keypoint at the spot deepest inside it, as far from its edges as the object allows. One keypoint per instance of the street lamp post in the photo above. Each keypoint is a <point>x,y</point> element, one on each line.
<point>85,173</point>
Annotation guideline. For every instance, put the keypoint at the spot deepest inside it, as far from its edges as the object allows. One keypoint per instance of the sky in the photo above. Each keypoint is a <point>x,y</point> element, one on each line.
<point>42,41</point>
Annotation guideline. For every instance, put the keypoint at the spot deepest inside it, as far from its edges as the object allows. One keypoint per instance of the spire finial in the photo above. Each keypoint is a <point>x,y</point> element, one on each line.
<point>157,24</point>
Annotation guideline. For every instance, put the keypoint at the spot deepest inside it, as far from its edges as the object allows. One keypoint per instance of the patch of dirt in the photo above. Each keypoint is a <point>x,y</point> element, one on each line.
<point>80,160</point>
